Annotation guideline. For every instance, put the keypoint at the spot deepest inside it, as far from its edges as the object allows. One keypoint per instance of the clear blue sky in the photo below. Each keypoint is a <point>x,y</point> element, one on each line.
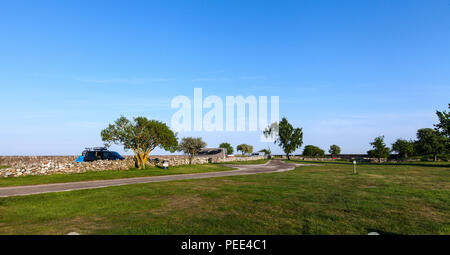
<point>345,71</point>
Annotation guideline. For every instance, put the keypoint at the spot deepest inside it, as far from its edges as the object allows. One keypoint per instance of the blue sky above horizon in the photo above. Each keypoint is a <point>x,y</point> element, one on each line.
<point>345,71</point>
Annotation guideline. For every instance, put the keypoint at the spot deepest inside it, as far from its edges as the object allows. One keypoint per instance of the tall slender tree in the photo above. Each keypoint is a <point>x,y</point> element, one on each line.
<point>286,136</point>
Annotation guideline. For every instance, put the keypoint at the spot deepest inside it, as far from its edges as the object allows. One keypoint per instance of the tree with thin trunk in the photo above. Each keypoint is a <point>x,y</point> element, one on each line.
<point>191,146</point>
<point>286,136</point>
<point>141,136</point>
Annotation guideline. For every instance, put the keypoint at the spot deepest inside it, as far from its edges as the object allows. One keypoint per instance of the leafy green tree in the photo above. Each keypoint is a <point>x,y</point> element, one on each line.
<point>244,148</point>
<point>191,146</point>
<point>430,141</point>
<point>267,151</point>
<point>313,151</point>
<point>403,147</point>
<point>334,150</point>
<point>228,147</point>
<point>443,127</point>
<point>286,136</point>
<point>380,150</point>
<point>141,136</point>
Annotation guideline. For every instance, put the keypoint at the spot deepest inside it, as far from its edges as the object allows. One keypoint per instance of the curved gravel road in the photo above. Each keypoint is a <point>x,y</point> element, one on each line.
<point>270,167</point>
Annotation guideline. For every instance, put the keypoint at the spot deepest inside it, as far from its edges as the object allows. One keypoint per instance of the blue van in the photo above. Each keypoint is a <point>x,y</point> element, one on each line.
<point>98,153</point>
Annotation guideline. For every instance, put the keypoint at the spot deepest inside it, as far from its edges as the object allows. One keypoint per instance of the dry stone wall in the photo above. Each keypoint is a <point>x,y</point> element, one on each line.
<point>45,165</point>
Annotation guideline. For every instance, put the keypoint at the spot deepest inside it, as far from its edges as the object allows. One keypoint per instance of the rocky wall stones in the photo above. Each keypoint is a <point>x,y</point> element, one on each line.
<point>45,165</point>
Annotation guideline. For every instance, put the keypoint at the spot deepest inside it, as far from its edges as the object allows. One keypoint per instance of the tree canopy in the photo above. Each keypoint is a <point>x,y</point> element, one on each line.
<point>245,148</point>
<point>286,136</point>
<point>140,135</point>
<point>430,141</point>
<point>334,150</point>
<point>267,151</point>
<point>380,150</point>
<point>403,147</point>
<point>191,146</point>
<point>443,127</point>
<point>313,151</point>
<point>228,147</point>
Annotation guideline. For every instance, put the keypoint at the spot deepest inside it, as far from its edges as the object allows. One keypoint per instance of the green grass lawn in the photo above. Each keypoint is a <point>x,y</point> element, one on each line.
<point>325,199</point>
<point>3,167</point>
<point>110,174</point>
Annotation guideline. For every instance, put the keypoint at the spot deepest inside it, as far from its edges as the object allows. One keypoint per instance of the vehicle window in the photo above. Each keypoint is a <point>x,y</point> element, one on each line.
<point>90,156</point>
<point>107,155</point>
<point>99,155</point>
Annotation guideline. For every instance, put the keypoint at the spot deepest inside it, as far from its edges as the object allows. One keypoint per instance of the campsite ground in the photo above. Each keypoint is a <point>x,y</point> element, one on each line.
<point>411,198</point>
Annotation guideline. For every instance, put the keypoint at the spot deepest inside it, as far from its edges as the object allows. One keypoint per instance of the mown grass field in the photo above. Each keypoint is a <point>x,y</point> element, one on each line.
<point>326,199</point>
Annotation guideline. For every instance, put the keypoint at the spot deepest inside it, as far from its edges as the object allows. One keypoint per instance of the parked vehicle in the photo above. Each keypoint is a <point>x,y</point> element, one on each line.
<point>258,153</point>
<point>98,153</point>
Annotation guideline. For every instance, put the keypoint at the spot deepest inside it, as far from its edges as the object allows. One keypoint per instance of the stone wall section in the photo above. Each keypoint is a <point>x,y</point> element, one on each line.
<point>45,165</point>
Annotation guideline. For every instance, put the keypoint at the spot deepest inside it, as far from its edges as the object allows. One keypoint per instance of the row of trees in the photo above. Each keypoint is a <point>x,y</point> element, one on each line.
<point>428,141</point>
<point>142,136</point>
<point>290,139</point>
<point>314,151</point>
<point>243,148</point>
